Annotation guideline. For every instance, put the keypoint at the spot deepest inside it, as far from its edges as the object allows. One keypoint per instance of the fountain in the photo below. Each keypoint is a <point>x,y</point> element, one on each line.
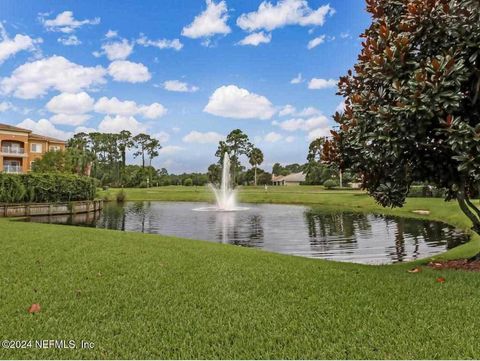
<point>225,196</point>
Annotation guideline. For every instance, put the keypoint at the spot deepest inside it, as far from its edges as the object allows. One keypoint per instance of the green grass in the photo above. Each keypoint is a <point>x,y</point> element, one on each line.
<point>147,296</point>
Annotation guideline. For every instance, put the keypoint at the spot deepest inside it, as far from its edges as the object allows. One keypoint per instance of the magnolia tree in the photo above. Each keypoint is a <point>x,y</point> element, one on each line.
<point>412,103</point>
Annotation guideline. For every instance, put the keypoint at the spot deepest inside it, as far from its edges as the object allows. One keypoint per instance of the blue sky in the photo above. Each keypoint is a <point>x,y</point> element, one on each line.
<point>187,72</point>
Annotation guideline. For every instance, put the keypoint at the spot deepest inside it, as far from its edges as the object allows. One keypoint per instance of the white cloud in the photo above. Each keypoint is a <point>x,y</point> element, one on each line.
<point>84,130</point>
<point>318,83</point>
<point>4,106</point>
<point>203,138</point>
<point>231,101</point>
<point>316,42</point>
<point>160,43</point>
<point>285,12</point>
<point>114,106</point>
<point>118,50</point>
<point>9,47</point>
<point>162,136</point>
<point>309,124</point>
<point>256,39</point>
<point>44,127</point>
<point>170,149</point>
<point>70,40</point>
<point>69,119</point>
<point>127,71</point>
<point>66,23</point>
<point>318,133</point>
<point>273,137</point>
<point>287,110</point>
<point>111,34</point>
<point>345,35</point>
<point>290,139</point>
<point>212,21</point>
<point>308,111</point>
<point>297,80</point>
<point>179,86</point>
<point>35,79</point>
<point>70,103</point>
<point>119,122</point>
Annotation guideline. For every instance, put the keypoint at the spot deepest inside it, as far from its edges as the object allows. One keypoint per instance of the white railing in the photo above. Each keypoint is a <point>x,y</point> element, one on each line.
<point>12,168</point>
<point>13,150</point>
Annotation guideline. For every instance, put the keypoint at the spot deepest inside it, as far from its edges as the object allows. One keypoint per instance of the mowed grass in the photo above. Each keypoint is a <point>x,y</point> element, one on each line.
<point>147,296</point>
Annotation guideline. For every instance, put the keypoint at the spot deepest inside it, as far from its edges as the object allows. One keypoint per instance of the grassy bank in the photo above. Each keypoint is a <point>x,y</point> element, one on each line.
<point>147,296</point>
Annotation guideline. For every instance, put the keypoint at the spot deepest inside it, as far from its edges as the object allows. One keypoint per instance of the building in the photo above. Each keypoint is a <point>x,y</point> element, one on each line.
<point>293,179</point>
<point>19,148</point>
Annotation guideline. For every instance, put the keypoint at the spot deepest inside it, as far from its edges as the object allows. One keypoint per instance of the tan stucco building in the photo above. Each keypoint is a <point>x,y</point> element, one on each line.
<point>293,179</point>
<point>19,148</point>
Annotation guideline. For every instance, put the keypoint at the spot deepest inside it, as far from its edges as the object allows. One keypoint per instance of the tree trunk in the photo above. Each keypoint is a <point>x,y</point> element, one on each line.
<point>255,168</point>
<point>466,206</point>
<point>341,179</point>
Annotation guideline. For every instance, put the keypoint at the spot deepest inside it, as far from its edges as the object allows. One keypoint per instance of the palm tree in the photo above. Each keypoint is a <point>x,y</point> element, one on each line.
<point>255,158</point>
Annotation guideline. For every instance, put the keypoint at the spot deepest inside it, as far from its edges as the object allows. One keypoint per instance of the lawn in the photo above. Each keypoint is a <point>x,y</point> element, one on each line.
<point>147,296</point>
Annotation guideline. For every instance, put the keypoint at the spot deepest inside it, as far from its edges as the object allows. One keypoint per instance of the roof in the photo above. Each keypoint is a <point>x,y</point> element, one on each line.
<point>292,177</point>
<point>42,137</point>
<point>11,128</point>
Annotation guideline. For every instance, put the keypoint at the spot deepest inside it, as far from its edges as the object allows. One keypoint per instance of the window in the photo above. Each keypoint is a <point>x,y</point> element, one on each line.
<point>36,148</point>
<point>54,148</point>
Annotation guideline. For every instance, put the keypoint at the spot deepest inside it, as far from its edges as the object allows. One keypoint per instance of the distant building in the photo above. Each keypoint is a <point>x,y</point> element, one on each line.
<point>293,179</point>
<point>19,148</point>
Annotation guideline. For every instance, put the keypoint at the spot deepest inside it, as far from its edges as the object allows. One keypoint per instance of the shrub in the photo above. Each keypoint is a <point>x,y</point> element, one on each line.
<point>188,182</point>
<point>45,187</point>
<point>121,196</point>
<point>330,184</point>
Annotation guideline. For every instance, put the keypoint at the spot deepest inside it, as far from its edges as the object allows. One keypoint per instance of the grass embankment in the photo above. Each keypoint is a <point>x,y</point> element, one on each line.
<point>147,296</point>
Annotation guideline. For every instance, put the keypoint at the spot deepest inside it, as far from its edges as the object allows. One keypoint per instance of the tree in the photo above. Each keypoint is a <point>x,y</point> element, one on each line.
<point>412,109</point>
<point>314,158</point>
<point>214,173</point>
<point>141,142</point>
<point>255,158</point>
<point>235,145</point>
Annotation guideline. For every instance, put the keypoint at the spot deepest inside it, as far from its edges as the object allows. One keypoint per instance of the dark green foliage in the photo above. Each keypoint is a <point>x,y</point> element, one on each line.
<point>188,182</point>
<point>45,187</point>
<point>412,109</point>
<point>121,196</point>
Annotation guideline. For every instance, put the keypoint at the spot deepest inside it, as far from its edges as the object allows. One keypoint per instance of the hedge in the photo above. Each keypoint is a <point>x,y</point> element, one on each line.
<point>45,187</point>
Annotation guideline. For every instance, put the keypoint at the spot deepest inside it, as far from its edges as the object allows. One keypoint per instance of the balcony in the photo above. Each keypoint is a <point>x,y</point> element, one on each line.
<point>15,169</point>
<point>13,151</point>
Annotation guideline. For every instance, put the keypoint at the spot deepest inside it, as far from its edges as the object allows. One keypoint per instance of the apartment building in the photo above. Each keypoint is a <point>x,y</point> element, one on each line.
<point>19,148</point>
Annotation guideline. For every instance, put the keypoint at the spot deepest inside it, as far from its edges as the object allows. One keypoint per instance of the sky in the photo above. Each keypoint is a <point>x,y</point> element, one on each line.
<point>185,71</point>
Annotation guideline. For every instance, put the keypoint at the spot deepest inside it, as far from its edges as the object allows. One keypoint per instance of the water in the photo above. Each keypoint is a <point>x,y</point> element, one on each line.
<point>225,196</point>
<point>296,230</point>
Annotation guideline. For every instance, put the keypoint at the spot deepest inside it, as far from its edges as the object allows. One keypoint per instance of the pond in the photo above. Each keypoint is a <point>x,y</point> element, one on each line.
<point>289,229</point>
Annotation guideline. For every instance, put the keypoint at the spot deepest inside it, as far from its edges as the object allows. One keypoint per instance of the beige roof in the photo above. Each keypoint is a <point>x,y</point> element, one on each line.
<point>11,128</point>
<point>292,177</point>
<point>42,137</point>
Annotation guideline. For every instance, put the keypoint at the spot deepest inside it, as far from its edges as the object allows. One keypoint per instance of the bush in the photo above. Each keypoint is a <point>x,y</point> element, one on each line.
<point>329,184</point>
<point>45,187</point>
<point>426,191</point>
<point>188,182</point>
<point>121,196</point>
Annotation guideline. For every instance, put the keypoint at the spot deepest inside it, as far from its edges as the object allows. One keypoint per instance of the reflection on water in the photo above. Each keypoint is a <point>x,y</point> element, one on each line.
<point>297,230</point>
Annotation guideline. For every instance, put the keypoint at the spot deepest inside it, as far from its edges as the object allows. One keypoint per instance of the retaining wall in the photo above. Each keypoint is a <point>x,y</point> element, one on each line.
<point>46,209</point>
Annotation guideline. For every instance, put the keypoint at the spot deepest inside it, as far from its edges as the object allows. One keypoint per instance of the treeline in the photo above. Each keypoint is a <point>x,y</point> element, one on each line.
<point>45,187</point>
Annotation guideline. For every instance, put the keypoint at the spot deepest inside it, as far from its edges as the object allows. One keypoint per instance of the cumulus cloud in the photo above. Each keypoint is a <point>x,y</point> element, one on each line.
<point>126,108</point>
<point>4,106</point>
<point>203,138</point>
<point>69,119</point>
<point>231,101</point>
<point>70,40</point>
<point>318,133</point>
<point>179,86</point>
<point>287,110</point>
<point>44,127</point>
<point>162,136</point>
<point>308,111</point>
<point>290,139</point>
<point>318,83</point>
<point>286,12</point>
<point>127,71</point>
<point>170,149</point>
<point>305,112</point>
<point>70,103</point>
<point>66,23</point>
<point>9,47</point>
<point>273,137</point>
<point>256,39</point>
<point>297,80</point>
<point>210,22</point>
<point>118,50</point>
<point>309,124</point>
<point>316,42</point>
<point>111,34</point>
<point>160,43</point>
<point>118,123</point>
<point>35,79</point>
